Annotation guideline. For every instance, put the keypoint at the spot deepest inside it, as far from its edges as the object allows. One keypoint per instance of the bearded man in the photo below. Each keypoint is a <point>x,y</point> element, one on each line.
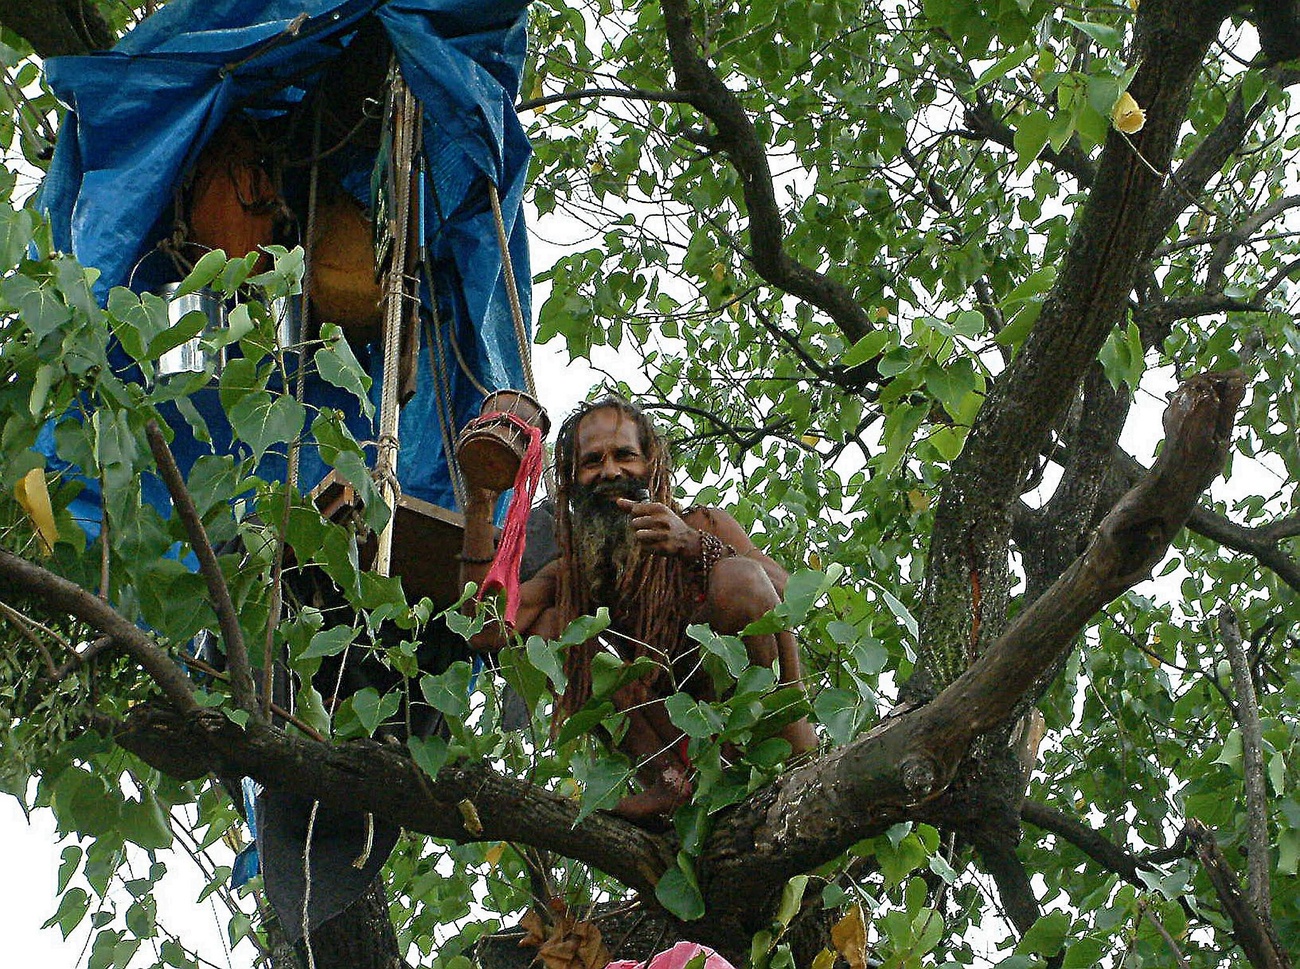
<point>625,544</point>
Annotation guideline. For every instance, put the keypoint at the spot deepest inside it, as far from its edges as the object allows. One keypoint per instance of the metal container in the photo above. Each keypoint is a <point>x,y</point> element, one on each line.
<point>287,313</point>
<point>191,356</point>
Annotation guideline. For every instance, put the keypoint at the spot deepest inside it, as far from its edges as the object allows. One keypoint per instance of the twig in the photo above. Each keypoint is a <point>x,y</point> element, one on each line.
<point>241,676</point>
<point>1144,910</point>
<point>632,94</point>
<point>1246,711</point>
<point>27,628</point>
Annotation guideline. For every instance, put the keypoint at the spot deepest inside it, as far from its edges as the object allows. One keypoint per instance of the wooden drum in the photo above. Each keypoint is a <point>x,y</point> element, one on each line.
<point>491,446</point>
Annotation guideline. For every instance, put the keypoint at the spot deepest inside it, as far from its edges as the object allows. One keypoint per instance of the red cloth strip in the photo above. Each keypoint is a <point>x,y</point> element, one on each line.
<point>504,574</point>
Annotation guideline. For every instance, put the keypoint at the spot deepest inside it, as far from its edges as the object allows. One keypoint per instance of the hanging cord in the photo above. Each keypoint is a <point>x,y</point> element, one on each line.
<point>443,407</point>
<point>523,344</point>
<point>306,885</point>
<point>394,310</point>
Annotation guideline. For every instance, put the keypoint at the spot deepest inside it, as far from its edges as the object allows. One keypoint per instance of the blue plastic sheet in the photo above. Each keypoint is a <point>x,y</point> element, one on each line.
<point>142,113</point>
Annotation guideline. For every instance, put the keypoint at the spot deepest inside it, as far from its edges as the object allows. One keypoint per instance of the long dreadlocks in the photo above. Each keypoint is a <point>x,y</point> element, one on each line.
<point>655,601</point>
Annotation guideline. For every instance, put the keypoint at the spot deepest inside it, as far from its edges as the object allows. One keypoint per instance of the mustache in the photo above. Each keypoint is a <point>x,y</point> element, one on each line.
<point>608,491</point>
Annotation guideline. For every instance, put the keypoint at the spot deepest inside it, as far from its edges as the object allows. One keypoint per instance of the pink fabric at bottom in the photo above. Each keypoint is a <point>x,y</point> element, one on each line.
<point>676,958</point>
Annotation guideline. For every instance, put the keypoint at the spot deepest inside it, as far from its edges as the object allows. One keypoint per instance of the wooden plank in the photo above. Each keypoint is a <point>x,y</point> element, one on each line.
<point>426,540</point>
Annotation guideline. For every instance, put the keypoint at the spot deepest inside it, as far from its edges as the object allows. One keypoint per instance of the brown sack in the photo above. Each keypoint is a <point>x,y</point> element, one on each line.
<point>233,202</point>
<point>343,286</point>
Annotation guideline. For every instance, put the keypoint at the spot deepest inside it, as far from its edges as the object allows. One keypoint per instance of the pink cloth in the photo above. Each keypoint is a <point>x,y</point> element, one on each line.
<point>676,958</point>
<point>504,573</point>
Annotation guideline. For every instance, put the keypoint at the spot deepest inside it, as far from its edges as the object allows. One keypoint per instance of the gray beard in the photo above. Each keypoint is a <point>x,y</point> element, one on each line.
<point>604,542</point>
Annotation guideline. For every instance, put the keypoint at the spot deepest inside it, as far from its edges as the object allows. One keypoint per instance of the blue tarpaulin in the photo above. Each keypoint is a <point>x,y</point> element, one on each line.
<point>142,113</point>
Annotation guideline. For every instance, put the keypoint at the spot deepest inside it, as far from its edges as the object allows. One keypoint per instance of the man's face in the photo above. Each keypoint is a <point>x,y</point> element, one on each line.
<point>608,447</point>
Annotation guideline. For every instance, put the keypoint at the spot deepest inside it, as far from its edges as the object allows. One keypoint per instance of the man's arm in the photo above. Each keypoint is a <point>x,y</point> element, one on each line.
<point>478,550</point>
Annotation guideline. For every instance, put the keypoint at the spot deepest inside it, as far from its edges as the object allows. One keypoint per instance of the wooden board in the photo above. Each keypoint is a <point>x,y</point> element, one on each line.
<point>426,541</point>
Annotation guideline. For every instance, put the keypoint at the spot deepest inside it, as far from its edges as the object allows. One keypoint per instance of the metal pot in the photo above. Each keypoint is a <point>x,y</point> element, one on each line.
<point>191,356</point>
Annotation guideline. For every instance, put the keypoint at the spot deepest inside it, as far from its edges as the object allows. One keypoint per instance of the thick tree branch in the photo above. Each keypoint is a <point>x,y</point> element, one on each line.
<point>1261,542</point>
<point>1207,160</point>
<point>372,777</point>
<point>1255,936</point>
<point>1112,237</point>
<point>1259,856</point>
<point>737,137</point>
<point>242,687</point>
<point>63,596</point>
<point>813,813</point>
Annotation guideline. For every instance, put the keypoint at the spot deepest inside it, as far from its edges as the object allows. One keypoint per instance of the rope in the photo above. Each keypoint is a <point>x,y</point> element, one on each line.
<point>394,309</point>
<point>512,293</point>
<point>522,342</point>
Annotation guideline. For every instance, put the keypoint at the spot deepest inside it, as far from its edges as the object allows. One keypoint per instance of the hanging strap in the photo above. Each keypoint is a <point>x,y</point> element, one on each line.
<point>504,574</point>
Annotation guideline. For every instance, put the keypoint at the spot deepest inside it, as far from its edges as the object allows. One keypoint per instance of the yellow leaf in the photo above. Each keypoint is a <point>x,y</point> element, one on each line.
<point>918,499</point>
<point>825,959</point>
<point>469,817</point>
<point>849,935</point>
<point>493,854</point>
<point>719,272</point>
<point>815,561</point>
<point>34,496</point>
<point>812,440</point>
<point>537,93</point>
<point>1126,116</point>
<point>882,314</point>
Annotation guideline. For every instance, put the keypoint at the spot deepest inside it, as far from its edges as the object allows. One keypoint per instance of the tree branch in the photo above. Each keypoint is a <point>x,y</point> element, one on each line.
<point>1246,711</point>
<point>57,27</point>
<point>737,137</point>
<point>372,777</point>
<point>1098,847</point>
<point>241,675</point>
<point>64,596</point>
<point>1255,937</point>
<point>1260,542</point>
<point>631,94</point>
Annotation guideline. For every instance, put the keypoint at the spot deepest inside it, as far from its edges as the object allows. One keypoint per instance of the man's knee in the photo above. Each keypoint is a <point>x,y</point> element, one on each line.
<point>739,592</point>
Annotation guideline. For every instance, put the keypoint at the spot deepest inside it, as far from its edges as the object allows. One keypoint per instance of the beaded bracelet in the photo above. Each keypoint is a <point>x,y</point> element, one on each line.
<point>469,560</point>
<point>712,551</point>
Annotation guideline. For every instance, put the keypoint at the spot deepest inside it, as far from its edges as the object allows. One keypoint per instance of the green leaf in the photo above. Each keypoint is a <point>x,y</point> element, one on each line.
<point>72,909</point>
<point>330,642</point>
<point>729,649</point>
<point>448,692</point>
<point>262,420</point>
<point>1030,138</point>
<point>1108,37</point>
<point>549,658</point>
<point>791,899</point>
<point>207,269</point>
<point>678,890</point>
<point>429,753</point>
<point>692,718</point>
<point>840,712</point>
<point>336,364</point>
<point>602,776</point>
<point>866,348</point>
<point>372,709</point>
<point>1046,936</point>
